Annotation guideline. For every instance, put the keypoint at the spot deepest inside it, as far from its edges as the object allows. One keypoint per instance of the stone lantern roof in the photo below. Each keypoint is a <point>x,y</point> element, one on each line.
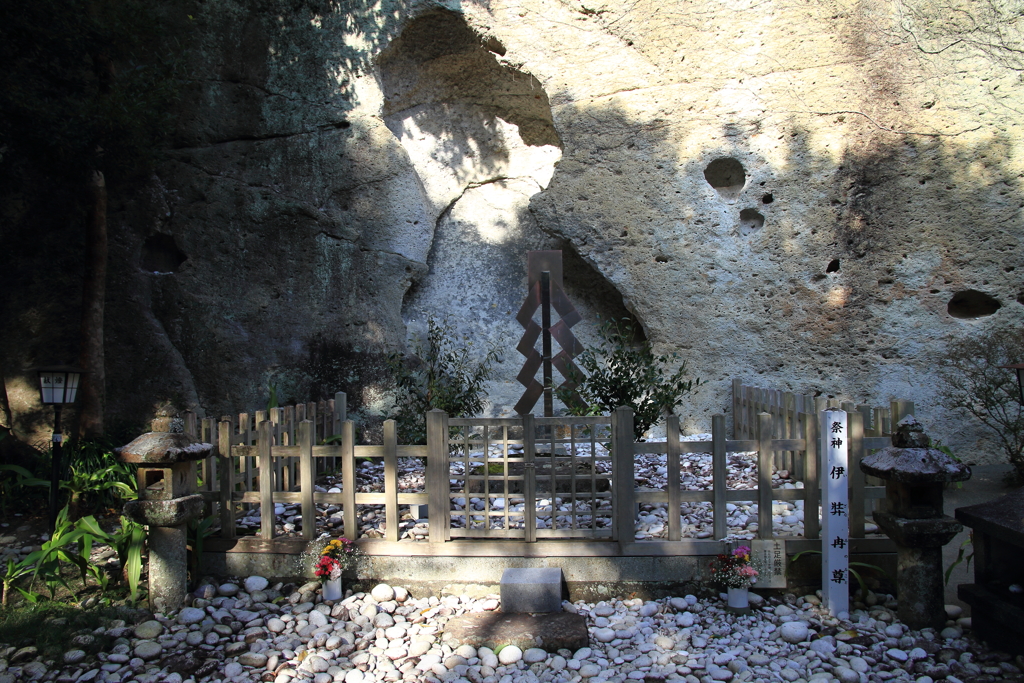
<point>911,460</point>
<point>163,448</point>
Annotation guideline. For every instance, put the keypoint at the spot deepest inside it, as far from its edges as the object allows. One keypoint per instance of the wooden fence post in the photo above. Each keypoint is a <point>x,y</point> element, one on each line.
<point>348,480</point>
<point>306,479</point>
<point>764,475</point>
<point>623,488</point>
<point>675,527</point>
<point>340,414</point>
<point>737,407</point>
<point>288,483</point>
<point>719,476</point>
<point>209,466</point>
<point>789,430</point>
<point>390,480</point>
<point>264,444</point>
<point>865,412</point>
<point>436,476</point>
<point>289,425</point>
<point>899,410</point>
<point>276,415</point>
<point>189,424</point>
<point>855,432</point>
<point>227,479</point>
<point>530,480</point>
<point>879,421</point>
<point>812,491</point>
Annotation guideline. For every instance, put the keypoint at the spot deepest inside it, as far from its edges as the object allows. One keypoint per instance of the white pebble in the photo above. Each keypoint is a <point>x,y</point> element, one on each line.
<point>510,654</point>
<point>382,592</point>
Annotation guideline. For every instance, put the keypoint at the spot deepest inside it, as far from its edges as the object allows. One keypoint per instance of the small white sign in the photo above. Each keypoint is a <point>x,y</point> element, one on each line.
<point>835,512</point>
<point>770,555</point>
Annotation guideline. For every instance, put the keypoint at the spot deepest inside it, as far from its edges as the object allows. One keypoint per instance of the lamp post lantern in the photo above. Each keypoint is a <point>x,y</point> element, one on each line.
<point>58,385</point>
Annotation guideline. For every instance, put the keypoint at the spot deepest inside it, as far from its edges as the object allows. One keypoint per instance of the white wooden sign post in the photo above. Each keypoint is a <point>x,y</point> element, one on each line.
<point>835,512</point>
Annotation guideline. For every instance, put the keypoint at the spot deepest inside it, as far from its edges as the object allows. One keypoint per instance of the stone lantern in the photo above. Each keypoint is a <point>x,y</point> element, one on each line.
<point>167,501</point>
<point>915,475</point>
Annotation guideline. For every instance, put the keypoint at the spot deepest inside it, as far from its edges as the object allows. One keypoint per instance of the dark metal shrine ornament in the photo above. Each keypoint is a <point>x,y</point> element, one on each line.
<point>544,282</point>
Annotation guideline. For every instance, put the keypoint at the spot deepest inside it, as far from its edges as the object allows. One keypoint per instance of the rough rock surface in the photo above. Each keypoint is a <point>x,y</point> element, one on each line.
<point>808,197</point>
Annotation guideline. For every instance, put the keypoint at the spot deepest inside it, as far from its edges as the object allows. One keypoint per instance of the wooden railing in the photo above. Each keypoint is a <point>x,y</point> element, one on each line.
<point>785,406</point>
<point>276,457</point>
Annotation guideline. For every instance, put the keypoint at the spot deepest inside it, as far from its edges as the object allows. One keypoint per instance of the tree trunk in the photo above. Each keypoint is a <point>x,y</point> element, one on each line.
<point>6,418</point>
<point>90,422</point>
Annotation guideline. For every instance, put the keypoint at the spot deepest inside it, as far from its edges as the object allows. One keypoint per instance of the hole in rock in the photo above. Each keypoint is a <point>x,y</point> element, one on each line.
<point>495,46</point>
<point>971,303</point>
<point>160,254</point>
<point>727,176</point>
<point>750,221</point>
<point>833,266</point>
<point>767,198</point>
<point>661,258</point>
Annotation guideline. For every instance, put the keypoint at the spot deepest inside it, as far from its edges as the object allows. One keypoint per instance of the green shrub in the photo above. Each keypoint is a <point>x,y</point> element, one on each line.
<point>96,478</point>
<point>972,382</point>
<point>443,374</point>
<point>621,372</point>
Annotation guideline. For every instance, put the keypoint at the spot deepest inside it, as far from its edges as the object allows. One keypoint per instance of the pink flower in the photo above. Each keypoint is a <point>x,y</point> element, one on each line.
<point>748,571</point>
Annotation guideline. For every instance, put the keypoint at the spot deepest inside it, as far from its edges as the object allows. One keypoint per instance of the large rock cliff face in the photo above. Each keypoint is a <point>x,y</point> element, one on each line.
<point>809,196</point>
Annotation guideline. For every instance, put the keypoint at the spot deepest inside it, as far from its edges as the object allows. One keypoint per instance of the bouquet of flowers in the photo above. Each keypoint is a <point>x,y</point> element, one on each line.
<point>333,558</point>
<point>735,569</point>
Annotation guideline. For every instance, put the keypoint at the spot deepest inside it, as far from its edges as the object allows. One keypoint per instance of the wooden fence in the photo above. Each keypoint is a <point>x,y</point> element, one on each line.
<point>507,459</point>
<point>870,429</point>
<point>785,407</point>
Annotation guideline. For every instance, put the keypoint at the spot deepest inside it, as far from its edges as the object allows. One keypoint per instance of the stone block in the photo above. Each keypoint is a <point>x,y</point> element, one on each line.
<point>537,589</point>
<point>550,632</point>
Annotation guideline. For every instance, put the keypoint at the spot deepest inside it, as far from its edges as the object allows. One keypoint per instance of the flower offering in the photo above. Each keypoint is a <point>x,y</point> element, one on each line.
<point>735,569</point>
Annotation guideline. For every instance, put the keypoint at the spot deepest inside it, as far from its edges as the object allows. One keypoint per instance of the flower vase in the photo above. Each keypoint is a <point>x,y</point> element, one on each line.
<point>332,589</point>
<point>739,598</point>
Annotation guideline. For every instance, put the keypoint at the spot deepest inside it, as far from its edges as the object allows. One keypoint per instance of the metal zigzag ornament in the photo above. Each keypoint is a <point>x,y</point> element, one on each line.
<point>544,282</point>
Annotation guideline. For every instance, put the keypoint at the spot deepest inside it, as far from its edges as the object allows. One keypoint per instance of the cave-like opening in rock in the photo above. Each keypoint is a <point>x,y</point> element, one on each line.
<point>970,303</point>
<point>480,135</point>
<point>161,254</point>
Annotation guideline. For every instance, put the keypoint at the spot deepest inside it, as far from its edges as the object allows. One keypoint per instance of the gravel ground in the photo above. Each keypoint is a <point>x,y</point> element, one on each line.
<point>248,630</point>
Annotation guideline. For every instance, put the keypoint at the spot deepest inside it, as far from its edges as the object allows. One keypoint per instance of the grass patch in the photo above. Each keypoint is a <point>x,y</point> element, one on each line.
<point>50,625</point>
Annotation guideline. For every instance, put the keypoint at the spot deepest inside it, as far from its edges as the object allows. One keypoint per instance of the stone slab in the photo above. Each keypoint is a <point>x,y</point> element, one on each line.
<point>551,631</point>
<point>531,589</point>
<point>997,616</point>
<point>1000,518</point>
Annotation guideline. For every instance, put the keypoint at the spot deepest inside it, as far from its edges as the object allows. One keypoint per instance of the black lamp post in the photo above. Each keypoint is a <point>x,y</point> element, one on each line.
<point>1019,369</point>
<point>58,385</point>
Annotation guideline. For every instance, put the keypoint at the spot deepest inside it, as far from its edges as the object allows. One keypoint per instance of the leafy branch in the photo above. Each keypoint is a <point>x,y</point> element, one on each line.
<point>443,373</point>
<point>622,372</point>
<point>974,383</point>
